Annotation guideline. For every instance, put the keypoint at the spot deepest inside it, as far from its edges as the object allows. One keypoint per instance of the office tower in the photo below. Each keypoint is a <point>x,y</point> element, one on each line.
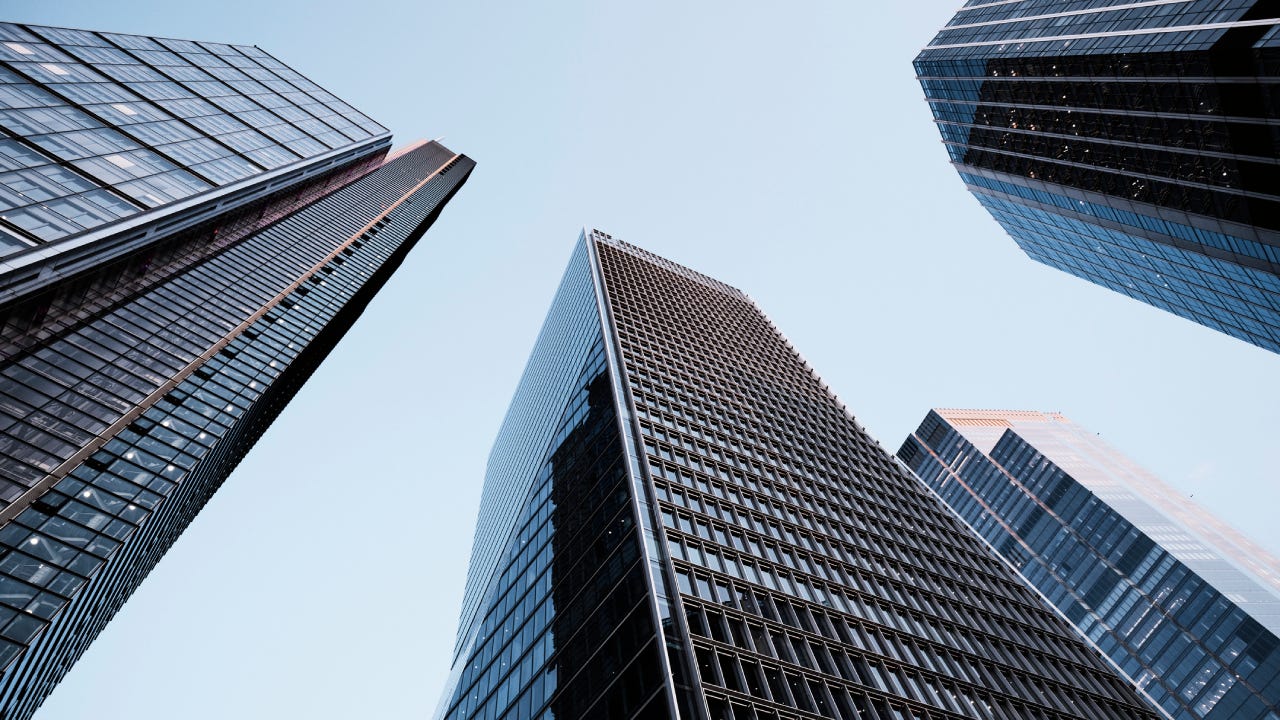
<point>1188,608</point>
<point>1131,144</point>
<point>187,229</point>
<point>679,519</point>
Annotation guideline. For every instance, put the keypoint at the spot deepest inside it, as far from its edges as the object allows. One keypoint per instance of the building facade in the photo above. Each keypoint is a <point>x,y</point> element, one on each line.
<point>679,519</point>
<point>1186,607</point>
<point>1131,144</point>
<point>186,230</point>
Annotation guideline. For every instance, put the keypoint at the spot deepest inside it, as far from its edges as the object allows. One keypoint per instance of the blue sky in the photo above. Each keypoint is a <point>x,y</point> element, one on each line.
<point>783,148</point>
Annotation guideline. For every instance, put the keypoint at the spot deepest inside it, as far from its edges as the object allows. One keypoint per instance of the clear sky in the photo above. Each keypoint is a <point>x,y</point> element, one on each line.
<point>784,148</point>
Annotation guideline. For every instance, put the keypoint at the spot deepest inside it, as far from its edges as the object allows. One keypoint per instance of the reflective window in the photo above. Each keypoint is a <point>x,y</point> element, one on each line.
<point>252,113</point>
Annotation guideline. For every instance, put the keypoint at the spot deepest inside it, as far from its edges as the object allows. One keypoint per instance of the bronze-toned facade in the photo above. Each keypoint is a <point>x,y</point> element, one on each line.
<point>733,544</point>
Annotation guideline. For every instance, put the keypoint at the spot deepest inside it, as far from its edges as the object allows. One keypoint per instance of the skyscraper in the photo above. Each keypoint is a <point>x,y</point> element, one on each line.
<point>1131,144</point>
<point>679,519</point>
<point>1186,606</point>
<point>186,230</point>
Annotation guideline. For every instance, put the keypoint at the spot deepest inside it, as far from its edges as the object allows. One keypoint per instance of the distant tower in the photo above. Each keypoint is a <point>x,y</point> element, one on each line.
<point>680,520</point>
<point>186,230</point>
<point>1132,144</point>
<point>1186,606</point>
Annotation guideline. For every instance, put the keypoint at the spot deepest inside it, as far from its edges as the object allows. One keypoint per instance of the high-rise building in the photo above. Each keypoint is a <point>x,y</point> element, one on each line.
<point>1188,608</point>
<point>1131,144</point>
<point>679,519</point>
<point>186,230</point>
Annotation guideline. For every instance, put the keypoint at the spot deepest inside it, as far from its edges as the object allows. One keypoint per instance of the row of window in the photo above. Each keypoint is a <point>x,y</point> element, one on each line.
<point>854,523</point>
<point>871,605</point>
<point>933,594</point>
<point>822,642</point>
<point>1109,20</point>
<point>789,481</point>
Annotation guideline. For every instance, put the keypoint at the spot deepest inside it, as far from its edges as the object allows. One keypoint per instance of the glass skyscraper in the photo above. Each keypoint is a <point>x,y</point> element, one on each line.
<point>679,519</point>
<point>186,230</point>
<point>1132,144</point>
<point>1188,608</point>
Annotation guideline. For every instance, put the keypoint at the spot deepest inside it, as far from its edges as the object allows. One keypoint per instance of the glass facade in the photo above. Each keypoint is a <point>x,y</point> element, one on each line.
<point>556,620</point>
<point>132,385</point>
<point>1187,608</point>
<point>102,126</point>
<point>765,559</point>
<point>1128,143</point>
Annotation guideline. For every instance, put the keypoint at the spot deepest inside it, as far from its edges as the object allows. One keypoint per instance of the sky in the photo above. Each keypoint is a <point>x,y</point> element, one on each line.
<point>784,148</point>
